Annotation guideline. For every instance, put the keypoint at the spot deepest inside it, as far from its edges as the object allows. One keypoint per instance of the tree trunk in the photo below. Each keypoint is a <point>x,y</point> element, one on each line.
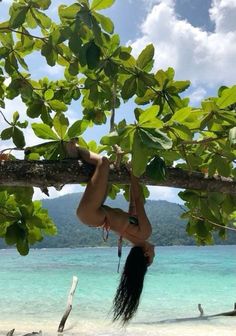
<point>44,174</point>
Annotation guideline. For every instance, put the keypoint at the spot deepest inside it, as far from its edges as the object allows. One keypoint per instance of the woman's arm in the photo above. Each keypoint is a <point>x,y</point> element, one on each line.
<point>144,229</point>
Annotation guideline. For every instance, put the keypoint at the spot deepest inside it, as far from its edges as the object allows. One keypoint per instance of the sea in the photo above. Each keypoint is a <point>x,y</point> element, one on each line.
<point>34,291</point>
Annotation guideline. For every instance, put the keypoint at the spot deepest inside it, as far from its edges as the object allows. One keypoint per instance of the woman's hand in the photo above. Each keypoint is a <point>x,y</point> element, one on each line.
<point>149,252</point>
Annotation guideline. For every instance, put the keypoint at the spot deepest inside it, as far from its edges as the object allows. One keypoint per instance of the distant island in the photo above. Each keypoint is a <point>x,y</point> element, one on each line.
<point>168,228</point>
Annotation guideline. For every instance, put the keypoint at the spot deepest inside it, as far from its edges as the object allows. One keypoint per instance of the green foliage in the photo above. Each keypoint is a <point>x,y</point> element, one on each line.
<point>23,221</point>
<point>157,169</point>
<point>101,75</point>
<point>168,228</point>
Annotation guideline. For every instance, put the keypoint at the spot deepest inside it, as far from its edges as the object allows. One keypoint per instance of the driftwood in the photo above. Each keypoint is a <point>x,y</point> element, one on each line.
<point>45,174</point>
<point>69,304</point>
<point>200,309</point>
<point>34,333</point>
<point>229,313</point>
<point>196,318</point>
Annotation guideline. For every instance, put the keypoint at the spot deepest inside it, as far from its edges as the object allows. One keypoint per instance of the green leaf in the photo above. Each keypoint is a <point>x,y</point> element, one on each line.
<point>23,195</point>
<point>228,98</point>
<point>105,22</point>
<point>36,109</point>
<point>57,105</point>
<point>75,44</point>
<point>44,131</point>
<point>4,52</point>
<point>201,229</point>
<point>141,87</point>
<point>22,62</point>
<point>60,35</point>
<point>182,85</point>
<point>68,12</point>
<point>223,167</point>
<point>22,245</point>
<point>148,79</point>
<point>15,117</point>
<point>126,138</point>
<point>153,138</point>
<point>148,118</point>
<point>77,128</point>
<point>101,4</point>
<point>54,151</point>
<point>49,94</point>
<point>139,155</point>
<point>156,169</point>
<point>50,54</point>
<point>60,123</point>
<point>146,56</point>
<point>162,79</point>
<point>74,68</point>
<point>18,16</point>
<point>220,165</point>
<point>12,234</point>
<point>33,156</point>
<point>18,137</point>
<point>180,132</point>
<point>44,4</point>
<point>181,115</point>
<point>43,19</point>
<point>93,53</point>
<point>110,139</point>
<point>41,149</point>
<point>7,133</point>
<point>129,88</point>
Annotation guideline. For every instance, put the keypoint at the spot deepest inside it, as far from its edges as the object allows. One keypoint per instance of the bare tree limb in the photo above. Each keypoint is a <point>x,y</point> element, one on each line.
<point>56,173</point>
<point>69,304</point>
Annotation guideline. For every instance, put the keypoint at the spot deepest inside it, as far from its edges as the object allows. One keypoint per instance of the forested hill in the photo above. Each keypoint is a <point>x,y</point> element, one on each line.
<point>168,227</point>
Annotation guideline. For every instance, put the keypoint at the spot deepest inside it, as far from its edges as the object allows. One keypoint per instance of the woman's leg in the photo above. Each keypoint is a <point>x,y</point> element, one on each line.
<point>89,209</point>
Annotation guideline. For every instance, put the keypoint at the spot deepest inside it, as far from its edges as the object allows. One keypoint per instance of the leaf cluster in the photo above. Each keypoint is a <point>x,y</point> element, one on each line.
<point>100,75</point>
<point>23,221</point>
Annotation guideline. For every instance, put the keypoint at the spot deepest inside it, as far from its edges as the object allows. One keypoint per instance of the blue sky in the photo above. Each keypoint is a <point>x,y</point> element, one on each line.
<point>196,37</point>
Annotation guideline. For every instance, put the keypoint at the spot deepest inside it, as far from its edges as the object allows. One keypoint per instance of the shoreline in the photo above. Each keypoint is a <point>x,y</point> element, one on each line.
<point>216,327</point>
<point>115,247</point>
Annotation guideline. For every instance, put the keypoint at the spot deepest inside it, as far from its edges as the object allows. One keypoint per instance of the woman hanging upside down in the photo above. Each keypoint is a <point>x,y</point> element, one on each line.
<point>133,226</point>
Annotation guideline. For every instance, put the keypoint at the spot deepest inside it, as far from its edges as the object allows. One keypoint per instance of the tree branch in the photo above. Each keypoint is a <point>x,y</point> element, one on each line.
<point>55,173</point>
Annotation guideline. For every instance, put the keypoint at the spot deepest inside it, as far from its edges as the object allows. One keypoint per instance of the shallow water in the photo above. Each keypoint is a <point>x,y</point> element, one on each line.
<point>34,289</point>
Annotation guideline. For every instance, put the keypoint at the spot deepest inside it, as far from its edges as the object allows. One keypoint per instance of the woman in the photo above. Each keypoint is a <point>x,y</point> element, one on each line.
<point>133,226</point>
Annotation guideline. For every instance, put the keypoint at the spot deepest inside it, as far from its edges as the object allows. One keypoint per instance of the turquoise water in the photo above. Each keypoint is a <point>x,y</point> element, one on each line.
<point>34,289</point>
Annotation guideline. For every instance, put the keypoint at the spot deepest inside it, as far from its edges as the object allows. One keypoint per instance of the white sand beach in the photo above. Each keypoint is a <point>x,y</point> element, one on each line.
<point>212,327</point>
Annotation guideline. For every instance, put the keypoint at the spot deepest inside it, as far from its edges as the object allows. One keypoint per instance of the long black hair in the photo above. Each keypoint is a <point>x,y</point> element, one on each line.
<point>128,293</point>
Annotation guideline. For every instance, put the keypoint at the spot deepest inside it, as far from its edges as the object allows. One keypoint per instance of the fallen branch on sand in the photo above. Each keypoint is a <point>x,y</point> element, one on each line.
<point>228,313</point>
<point>69,304</point>
<point>34,333</point>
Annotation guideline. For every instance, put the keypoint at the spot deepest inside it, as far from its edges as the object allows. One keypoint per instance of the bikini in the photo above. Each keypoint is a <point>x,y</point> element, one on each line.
<point>106,229</point>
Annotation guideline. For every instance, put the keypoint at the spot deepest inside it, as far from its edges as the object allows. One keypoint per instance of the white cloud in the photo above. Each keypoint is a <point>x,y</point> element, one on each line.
<point>53,193</point>
<point>164,193</point>
<point>151,3</point>
<point>55,71</point>
<point>223,13</point>
<point>197,96</point>
<point>207,59</point>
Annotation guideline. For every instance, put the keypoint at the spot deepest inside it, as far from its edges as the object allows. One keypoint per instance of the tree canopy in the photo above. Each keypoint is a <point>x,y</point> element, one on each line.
<point>167,137</point>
